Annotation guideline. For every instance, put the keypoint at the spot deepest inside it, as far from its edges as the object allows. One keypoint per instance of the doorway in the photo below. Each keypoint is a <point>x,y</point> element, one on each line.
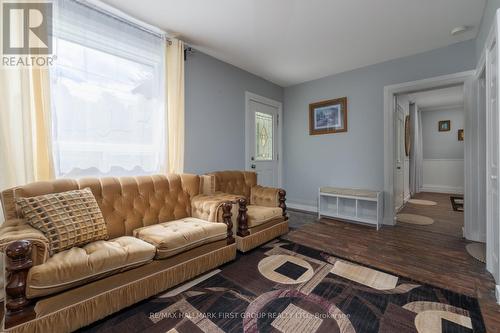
<point>429,172</point>
<point>474,163</point>
<point>390,92</point>
<point>263,139</point>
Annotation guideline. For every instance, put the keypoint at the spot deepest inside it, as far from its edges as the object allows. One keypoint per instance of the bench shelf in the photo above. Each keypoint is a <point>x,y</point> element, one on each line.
<point>356,205</point>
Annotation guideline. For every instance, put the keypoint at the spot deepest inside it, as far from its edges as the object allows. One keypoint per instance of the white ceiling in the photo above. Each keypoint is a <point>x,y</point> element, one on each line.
<point>439,98</point>
<point>293,41</point>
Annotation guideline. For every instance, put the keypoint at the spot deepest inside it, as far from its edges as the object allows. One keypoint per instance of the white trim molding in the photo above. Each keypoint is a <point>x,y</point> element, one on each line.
<point>305,208</point>
<point>442,108</point>
<point>441,189</point>
<point>497,293</point>
<point>443,175</point>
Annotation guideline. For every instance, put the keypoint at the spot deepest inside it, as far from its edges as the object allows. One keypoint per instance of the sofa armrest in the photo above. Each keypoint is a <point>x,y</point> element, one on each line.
<point>207,207</point>
<point>19,230</point>
<point>24,247</point>
<point>213,209</point>
<point>19,308</point>
<point>268,197</point>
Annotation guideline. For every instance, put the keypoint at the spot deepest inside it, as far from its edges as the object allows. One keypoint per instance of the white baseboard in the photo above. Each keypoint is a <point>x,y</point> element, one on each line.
<point>497,293</point>
<point>475,237</point>
<point>408,197</point>
<point>442,189</point>
<point>298,206</point>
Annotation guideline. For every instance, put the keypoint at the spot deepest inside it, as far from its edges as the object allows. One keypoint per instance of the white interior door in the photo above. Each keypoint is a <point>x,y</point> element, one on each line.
<point>399,156</point>
<point>492,158</point>
<point>481,157</point>
<point>263,136</point>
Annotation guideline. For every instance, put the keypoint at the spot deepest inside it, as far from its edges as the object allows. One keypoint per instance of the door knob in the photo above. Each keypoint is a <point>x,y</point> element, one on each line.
<point>252,166</point>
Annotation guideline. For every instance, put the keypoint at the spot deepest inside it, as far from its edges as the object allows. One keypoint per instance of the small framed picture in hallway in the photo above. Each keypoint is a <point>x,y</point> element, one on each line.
<point>444,125</point>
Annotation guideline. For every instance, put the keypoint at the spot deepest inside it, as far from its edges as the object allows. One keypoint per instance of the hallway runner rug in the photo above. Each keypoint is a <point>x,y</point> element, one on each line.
<point>287,287</point>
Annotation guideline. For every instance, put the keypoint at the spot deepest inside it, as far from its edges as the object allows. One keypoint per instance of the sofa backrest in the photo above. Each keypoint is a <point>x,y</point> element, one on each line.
<point>234,182</point>
<point>127,203</point>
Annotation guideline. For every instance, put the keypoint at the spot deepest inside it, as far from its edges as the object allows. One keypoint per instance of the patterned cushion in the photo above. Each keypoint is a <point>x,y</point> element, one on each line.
<point>67,219</point>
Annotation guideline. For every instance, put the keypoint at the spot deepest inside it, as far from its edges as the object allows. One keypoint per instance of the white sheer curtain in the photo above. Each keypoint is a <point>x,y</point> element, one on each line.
<point>416,155</point>
<point>108,95</point>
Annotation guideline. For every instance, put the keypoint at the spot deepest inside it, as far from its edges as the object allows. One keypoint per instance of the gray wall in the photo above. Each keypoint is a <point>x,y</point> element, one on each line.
<point>442,145</point>
<point>484,29</point>
<point>215,112</point>
<point>355,158</point>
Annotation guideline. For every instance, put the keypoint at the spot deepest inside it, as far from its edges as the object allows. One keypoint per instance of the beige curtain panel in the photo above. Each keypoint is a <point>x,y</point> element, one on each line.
<point>175,106</point>
<point>25,126</point>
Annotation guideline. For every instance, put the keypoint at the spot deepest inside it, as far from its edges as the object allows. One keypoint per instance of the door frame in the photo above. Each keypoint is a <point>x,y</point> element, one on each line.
<point>249,96</point>
<point>480,189</point>
<point>389,92</point>
<point>492,254</point>
<point>399,110</point>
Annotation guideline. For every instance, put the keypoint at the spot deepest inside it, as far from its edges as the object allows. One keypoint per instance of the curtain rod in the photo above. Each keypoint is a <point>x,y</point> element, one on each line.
<point>124,17</point>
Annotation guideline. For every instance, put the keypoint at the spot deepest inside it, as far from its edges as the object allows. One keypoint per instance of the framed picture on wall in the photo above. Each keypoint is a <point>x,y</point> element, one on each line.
<point>444,125</point>
<point>461,134</point>
<point>328,116</point>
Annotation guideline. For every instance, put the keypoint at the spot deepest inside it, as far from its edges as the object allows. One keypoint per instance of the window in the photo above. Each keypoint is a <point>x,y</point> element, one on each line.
<point>263,136</point>
<point>107,87</point>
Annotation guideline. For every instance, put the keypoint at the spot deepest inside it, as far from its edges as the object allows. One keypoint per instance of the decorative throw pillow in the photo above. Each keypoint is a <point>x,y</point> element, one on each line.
<point>67,219</point>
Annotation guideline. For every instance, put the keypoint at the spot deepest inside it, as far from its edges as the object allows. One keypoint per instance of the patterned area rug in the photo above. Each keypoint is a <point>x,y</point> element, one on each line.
<point>286,287</point>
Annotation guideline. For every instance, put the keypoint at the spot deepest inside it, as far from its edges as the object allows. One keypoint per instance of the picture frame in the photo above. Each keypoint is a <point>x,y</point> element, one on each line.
<point>328,117</point>
<point>460,134</point>
<point>444,125</point>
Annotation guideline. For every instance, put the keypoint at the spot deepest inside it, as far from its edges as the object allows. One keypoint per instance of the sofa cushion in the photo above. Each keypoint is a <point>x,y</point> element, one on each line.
<point>95,260</point>
<point>67,219</point>
<point>173,237</point>
<point>258,215</point>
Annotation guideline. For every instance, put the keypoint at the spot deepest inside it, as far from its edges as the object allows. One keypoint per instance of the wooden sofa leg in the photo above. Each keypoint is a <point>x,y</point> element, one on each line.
<point>282,199</point>
<point>242,218</point>
<point>18,308</point>
<point>226,217</point>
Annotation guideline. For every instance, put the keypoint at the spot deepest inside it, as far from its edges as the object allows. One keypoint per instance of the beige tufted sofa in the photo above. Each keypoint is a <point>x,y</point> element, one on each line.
<point>162,232</point>
<point>261,210</point>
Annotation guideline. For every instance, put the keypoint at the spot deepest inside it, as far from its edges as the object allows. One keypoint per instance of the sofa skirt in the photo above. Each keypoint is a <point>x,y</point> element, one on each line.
<point>86,304</point>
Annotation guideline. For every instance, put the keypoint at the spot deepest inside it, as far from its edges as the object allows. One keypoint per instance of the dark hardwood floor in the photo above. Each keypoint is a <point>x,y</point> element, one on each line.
<point>433,254</point>
<point>446,220</point>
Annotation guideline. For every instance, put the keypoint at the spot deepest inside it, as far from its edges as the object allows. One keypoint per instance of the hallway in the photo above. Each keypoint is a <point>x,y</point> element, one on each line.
<point>446,220</point>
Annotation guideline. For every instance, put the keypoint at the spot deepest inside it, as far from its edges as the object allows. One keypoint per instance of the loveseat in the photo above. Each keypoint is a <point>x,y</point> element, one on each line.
<point>261,211</point>
<point>161,232</point>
